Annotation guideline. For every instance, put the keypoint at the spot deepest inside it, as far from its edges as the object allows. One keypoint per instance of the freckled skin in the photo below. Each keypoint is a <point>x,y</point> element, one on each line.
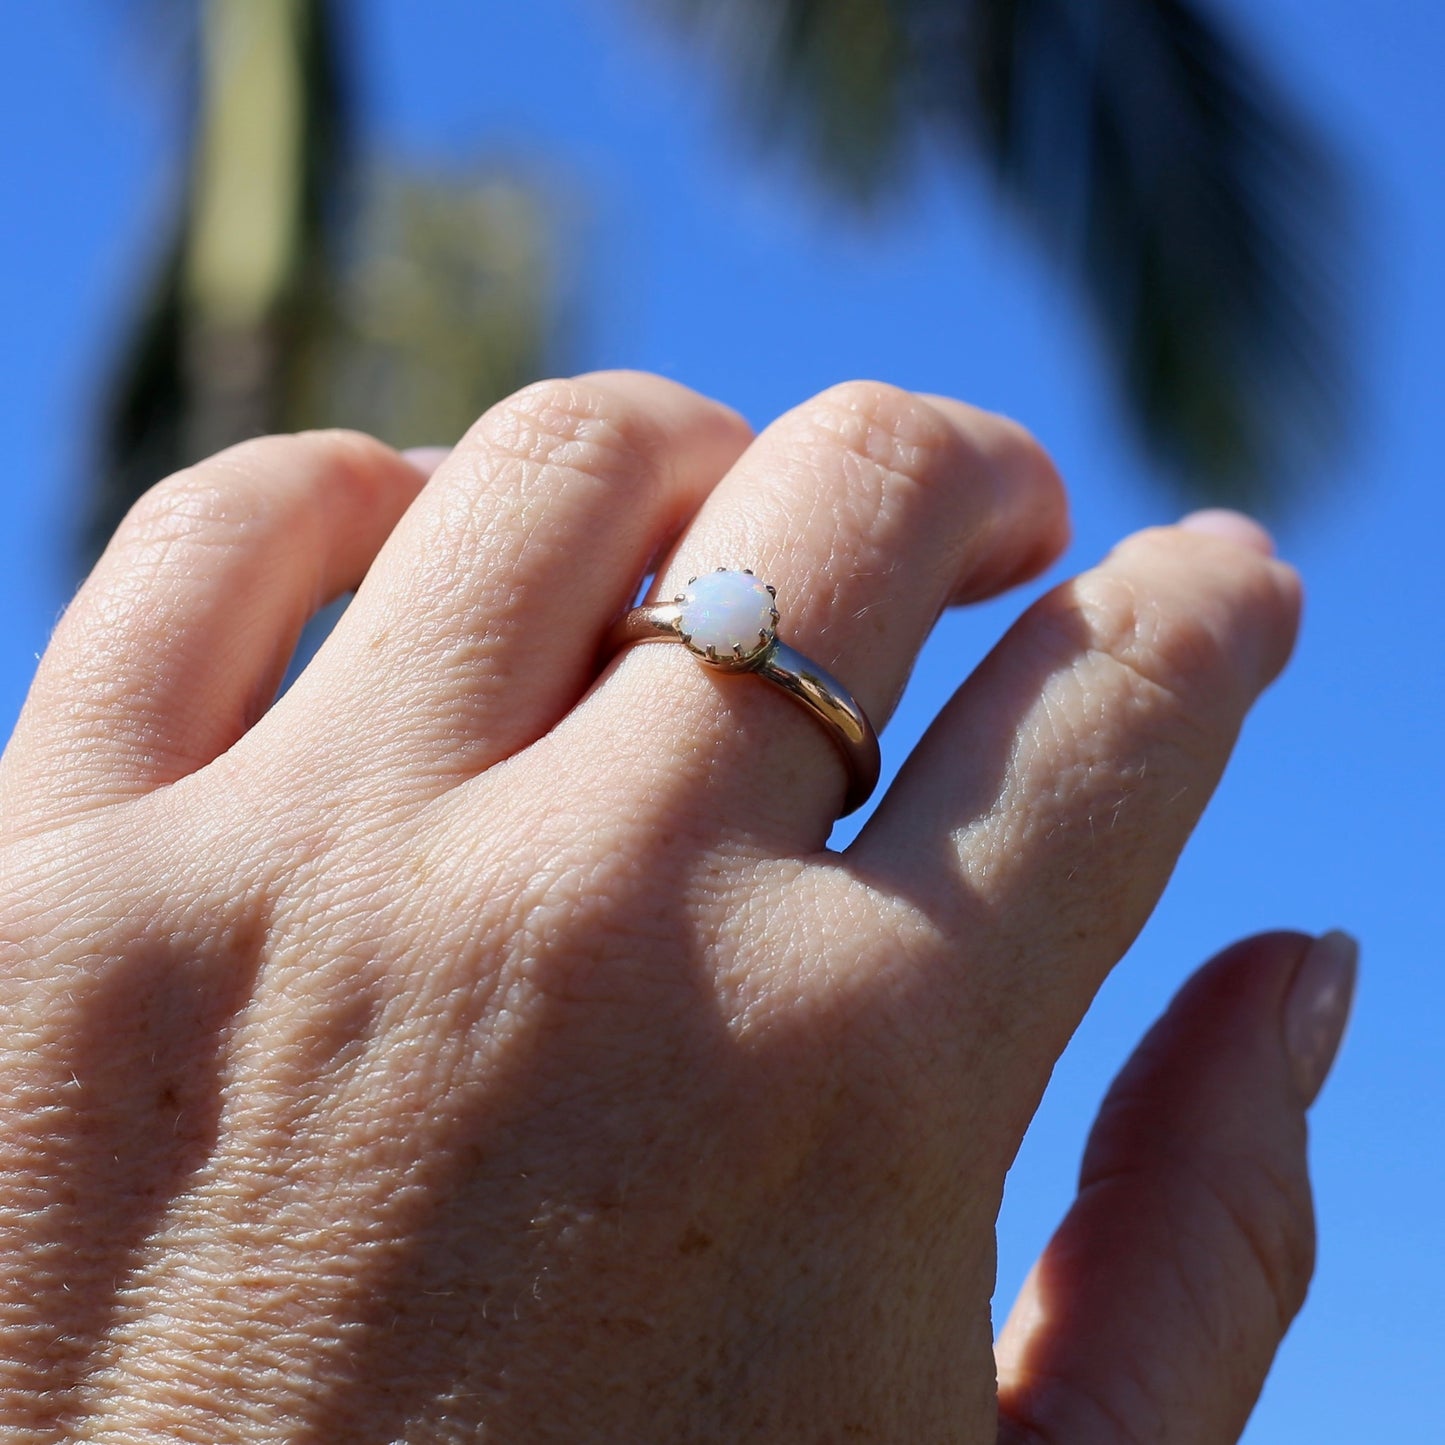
<point>476,1046</point>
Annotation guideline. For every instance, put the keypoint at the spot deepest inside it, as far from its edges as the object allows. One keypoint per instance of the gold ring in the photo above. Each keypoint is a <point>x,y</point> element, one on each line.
<point>729,620</point>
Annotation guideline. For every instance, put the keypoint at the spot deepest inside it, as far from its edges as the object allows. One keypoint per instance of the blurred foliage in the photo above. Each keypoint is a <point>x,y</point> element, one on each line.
<point>1190,201</point>
<point>444,305</point>
<point>303,287</point>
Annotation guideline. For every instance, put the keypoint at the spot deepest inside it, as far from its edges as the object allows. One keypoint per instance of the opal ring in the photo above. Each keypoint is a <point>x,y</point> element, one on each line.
<point>729,620</point>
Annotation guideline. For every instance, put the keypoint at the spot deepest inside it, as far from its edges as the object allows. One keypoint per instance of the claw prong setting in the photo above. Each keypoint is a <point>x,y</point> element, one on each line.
<point>728,617</point>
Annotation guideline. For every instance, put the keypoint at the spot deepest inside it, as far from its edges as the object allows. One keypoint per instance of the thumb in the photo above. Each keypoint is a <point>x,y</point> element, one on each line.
<point>1155,1311</point>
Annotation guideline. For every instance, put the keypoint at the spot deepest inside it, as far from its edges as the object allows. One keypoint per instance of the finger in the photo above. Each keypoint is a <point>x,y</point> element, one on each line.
<point>179,638</point>
<point>1045,808</point>
<point>480,624</point>
<point>1157,1308</point>
<point>869,510</point>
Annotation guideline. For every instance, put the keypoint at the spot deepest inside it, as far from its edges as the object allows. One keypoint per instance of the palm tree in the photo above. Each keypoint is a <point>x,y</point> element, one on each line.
<point>305,286</point>
<point>1136,139</point>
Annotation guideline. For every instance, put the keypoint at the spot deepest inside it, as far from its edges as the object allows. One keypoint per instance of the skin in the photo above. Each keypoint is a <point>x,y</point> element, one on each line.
<point>476,1045</point>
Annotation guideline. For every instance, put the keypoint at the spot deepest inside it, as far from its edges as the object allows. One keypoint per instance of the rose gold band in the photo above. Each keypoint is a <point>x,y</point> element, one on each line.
<point>805,682</point>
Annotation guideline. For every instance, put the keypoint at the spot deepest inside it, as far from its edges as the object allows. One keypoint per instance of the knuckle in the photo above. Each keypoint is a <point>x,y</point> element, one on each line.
<point>1272,1216</point>
<point>898,442</point>
<point>245,487</point>
<point>1050,1408</point>
<point>574,425</point>
<point>1170,655</point>
<point>864,397</point>
<point>1016,459</point>
<point>275,473</point>
<point>190,502</point>
<point>892,431</point>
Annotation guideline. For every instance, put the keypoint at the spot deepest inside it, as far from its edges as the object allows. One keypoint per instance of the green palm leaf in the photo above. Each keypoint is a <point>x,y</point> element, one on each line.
<point>1155,159</point>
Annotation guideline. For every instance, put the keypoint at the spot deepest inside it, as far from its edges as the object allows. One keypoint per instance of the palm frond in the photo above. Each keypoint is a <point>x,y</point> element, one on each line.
<point>1155,158</point>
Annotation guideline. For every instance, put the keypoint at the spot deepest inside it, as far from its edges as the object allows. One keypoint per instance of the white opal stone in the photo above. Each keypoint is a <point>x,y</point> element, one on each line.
<point>727,612</point>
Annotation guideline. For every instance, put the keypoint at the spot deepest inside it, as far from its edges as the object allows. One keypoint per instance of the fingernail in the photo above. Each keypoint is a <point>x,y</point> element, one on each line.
<point>1317,1009</point>
<point>427,459</point>
<point>1232,526</point>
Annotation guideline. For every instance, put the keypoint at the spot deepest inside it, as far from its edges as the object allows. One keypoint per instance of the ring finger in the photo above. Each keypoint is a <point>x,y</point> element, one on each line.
<point>869,509</point>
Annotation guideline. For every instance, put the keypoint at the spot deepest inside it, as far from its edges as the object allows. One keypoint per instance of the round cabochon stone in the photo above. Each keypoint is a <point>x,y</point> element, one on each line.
<point>728,614</point>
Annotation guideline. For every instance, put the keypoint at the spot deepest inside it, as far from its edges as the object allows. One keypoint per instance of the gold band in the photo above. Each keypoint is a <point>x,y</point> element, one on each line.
<point>805,682</point>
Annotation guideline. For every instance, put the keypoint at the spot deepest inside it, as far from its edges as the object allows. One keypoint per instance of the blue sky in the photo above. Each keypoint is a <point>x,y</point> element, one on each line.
<point>731,274</point>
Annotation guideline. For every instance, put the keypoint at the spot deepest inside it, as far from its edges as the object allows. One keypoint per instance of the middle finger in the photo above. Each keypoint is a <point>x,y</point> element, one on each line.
<point>478,625</point>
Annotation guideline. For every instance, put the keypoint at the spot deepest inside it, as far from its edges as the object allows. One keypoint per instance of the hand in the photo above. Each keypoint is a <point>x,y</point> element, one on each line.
<point>470,1048</point>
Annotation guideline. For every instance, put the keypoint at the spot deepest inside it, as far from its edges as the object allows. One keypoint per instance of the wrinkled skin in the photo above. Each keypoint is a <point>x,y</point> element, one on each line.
<point>481,1044</point>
